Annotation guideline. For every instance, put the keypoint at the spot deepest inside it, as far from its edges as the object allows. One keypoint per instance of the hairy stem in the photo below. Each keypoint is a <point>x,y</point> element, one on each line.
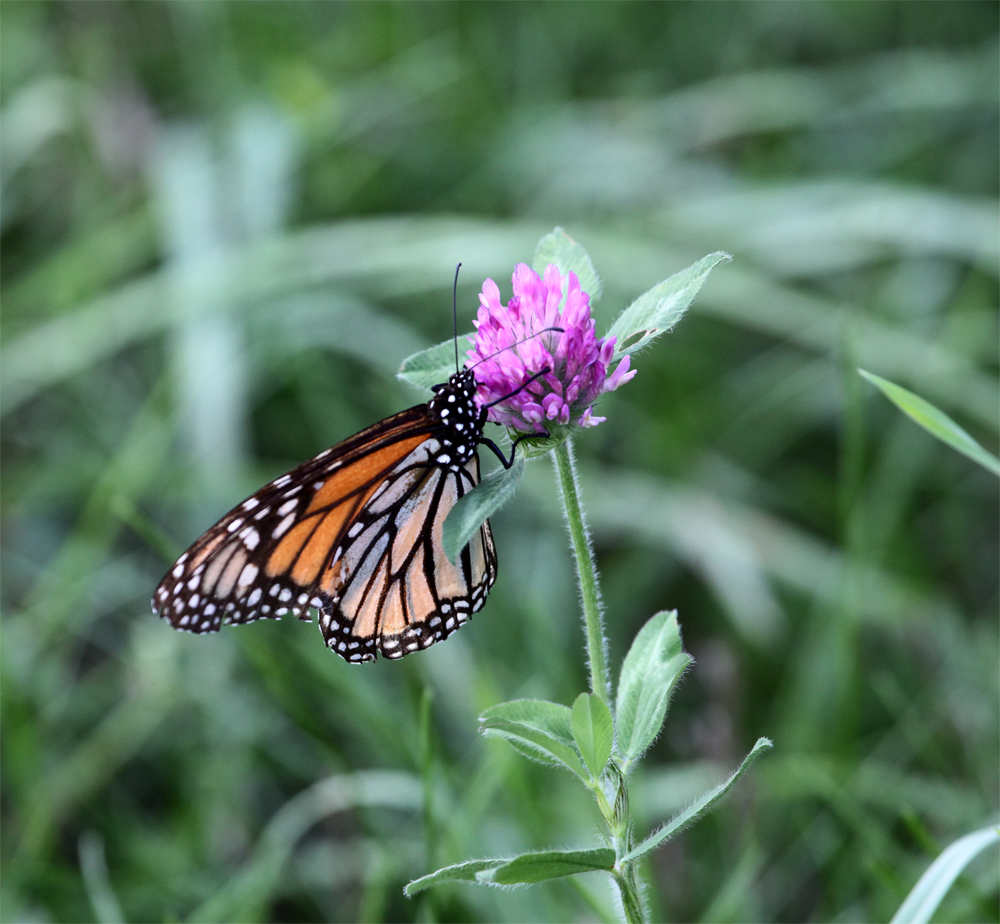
<point>616,811</point>
<point>628,889</point>
<point>586,570</point>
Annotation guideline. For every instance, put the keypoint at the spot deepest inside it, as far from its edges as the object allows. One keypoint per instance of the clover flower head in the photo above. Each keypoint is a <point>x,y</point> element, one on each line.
<point>578,362</point>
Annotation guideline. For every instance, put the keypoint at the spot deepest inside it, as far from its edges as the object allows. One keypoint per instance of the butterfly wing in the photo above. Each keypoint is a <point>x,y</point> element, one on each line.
<point>337,523</point>
<point>217,580</point>
<point>393,590</point>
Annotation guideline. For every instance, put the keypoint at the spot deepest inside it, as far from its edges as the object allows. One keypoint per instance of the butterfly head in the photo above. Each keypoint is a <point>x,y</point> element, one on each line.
<point>455,410</point>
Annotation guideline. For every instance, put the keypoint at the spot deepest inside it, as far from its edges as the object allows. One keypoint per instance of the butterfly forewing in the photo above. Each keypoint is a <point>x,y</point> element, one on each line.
<point>354,533</point>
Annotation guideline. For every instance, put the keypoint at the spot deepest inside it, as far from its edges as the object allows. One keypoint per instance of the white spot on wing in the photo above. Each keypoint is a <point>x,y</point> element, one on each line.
<point>283,526</point>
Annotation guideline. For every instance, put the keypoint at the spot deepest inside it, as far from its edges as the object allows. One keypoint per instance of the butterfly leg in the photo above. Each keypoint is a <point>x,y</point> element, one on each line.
<point>499,454</point>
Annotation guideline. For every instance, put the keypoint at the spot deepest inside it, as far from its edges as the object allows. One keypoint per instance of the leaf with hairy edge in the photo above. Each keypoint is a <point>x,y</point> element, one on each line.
<point>559,248</point>
<point>649,674</point>
<point>523,870</point>
<point>934,421</point>
<point>594,731</point>
<point>434,365</point>
<point>699,807</point>
<point>553,718</point>
<point>459,872</point>
<point>478,505</point>
<point>551,864</point>
<point>659,309</point>
<point>538,729</point>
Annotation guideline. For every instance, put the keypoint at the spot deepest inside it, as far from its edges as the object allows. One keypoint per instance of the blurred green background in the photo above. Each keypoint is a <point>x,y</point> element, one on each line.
<point>225,225</point>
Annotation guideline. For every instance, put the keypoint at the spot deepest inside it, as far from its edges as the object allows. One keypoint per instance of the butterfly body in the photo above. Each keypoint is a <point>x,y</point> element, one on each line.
<point>355,534</point>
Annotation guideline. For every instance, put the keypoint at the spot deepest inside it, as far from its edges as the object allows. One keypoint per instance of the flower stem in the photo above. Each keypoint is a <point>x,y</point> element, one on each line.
<point>629,891</point>
<point>625,875</point>
<point>586,570</point>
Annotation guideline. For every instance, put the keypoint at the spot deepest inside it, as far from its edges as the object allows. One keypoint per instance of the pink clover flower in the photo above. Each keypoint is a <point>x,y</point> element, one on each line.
<point>578,360</point>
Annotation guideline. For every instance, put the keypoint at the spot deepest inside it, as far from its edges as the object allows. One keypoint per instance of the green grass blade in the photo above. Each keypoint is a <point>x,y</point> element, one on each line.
<point>94,867</point>
<point>245,895</point>
<point>934,421</point>
<point>926,895</point>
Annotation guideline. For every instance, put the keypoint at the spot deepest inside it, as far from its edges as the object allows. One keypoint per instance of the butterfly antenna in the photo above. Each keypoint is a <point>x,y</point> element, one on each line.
<point>520,387</point>
<point>561,330</point>
<point>454,311</point>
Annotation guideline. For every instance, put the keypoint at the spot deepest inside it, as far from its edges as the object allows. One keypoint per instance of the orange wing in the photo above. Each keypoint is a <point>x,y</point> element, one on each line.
<point>355,533</point>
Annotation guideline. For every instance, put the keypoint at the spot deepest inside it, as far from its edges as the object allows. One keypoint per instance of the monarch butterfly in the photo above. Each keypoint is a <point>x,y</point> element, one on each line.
<point>355,533</point>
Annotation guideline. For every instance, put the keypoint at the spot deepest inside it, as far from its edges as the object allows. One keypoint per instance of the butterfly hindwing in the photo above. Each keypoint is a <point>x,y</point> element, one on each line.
<point>399,591</point>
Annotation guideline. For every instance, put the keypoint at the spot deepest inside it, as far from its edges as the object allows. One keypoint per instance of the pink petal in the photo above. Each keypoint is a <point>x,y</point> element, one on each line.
<point>620,376</point>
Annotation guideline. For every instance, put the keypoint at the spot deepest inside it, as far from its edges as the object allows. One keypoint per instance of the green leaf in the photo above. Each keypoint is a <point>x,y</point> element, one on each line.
<point>523,870</point>
<point>550,864</point>
<point>926,895</point>
<point>474,508</point>
<point>594,731</point>
<point>460,872</point>
<point>538,729</point>
<point>651,670</point>
<point>554,719</point>
<point>699,807</point>
<point>559,248</point>
<point>434,365</point>
<point>659,309</point>
<point>934,421</point>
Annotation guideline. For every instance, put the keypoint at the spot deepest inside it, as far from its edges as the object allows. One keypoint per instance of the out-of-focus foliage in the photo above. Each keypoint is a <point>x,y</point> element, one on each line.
<point>224,225</point>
